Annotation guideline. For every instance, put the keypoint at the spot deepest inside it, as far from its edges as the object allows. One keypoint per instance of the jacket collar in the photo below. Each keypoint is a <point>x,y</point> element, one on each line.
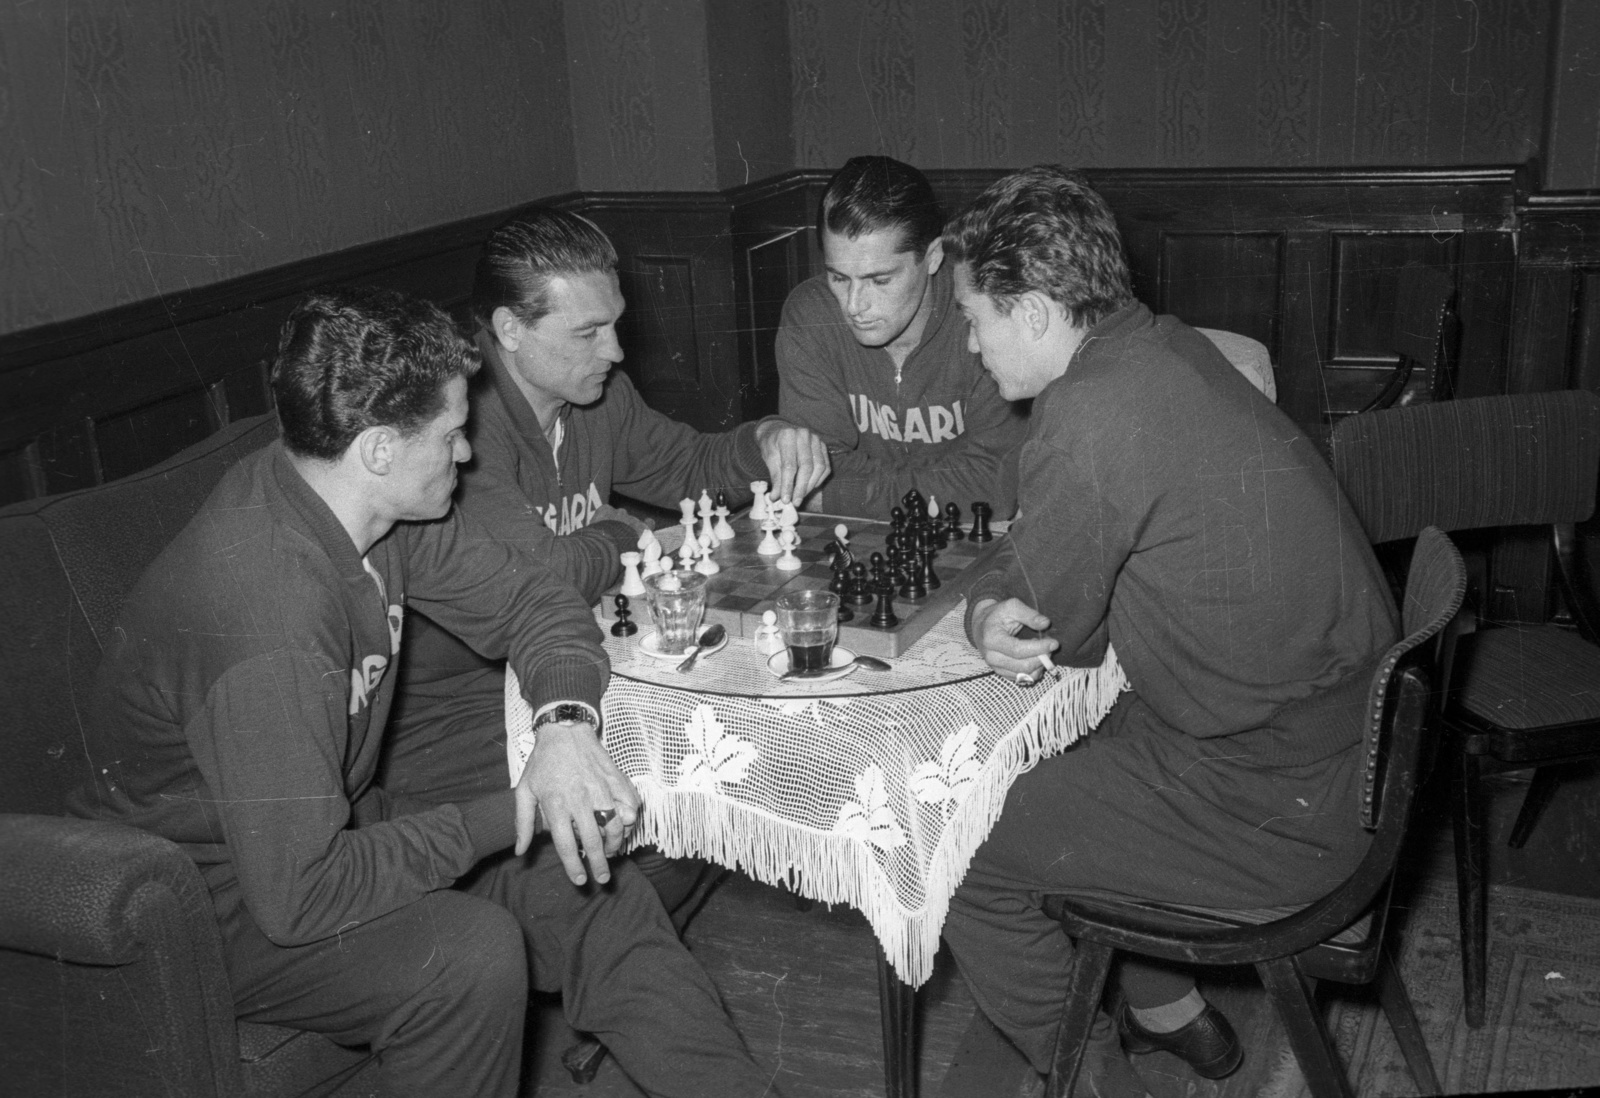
<point>318,518</point>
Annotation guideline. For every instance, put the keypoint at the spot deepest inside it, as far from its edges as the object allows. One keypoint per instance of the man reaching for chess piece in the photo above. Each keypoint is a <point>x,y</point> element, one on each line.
<point>554,431</point>
<point>872,355</point>
<point>1170,512</point>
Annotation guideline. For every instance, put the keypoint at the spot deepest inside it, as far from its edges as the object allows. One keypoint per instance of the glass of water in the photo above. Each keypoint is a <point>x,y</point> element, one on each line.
<point>677,602</point>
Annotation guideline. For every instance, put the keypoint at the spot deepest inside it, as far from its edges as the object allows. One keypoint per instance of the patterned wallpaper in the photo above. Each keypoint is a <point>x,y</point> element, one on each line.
<point>150,147</point>
<point>1170,83</point>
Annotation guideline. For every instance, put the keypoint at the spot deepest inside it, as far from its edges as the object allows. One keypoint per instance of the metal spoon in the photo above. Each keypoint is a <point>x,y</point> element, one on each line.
<point>871,663</point>
<point>709,638</point>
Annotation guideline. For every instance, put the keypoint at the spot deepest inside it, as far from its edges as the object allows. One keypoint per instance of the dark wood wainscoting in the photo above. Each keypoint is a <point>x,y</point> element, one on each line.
<point>1304,261</point>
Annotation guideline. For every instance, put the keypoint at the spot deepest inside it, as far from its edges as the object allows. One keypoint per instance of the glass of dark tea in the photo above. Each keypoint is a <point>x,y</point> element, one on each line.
<point>809,622</point>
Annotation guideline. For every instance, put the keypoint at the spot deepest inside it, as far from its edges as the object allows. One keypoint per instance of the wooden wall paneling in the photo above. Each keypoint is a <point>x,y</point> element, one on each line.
<point>1585,362</point>
<point>774,248</point>
<point>680,332</point>
<point>1304,345</point>
<point>1485,277</point>
<point>1223,280</point>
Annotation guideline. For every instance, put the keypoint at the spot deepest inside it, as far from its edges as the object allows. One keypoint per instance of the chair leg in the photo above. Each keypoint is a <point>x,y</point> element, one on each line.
<point>1540,790</point>
<point>897,1012</point>
<point>1471,888</point>
<point>1294,997</point>
<point>1403,1020</point>
<point>1086,983</point>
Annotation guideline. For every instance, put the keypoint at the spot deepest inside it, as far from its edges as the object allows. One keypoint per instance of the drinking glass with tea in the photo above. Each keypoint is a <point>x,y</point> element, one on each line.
<point>809,622</point>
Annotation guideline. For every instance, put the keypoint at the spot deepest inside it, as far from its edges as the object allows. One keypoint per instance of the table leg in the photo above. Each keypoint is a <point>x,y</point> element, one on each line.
<point>897,1010</point>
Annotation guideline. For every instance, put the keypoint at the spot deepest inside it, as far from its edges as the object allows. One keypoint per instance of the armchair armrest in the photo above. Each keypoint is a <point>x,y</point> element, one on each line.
<point>72,887</point>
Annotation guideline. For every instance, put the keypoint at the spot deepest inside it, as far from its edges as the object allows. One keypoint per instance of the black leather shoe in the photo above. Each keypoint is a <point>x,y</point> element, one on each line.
<point>1208,1044</point>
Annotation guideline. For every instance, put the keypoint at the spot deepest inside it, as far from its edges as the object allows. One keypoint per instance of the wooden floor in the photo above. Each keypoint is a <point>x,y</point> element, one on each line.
<point>801,984</point>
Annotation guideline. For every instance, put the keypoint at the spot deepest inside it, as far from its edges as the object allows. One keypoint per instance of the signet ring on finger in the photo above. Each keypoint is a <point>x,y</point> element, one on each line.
<point>603,816</point>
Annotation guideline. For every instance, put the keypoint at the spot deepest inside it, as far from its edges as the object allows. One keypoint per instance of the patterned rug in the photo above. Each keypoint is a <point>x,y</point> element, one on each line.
<point>1542,1028</point>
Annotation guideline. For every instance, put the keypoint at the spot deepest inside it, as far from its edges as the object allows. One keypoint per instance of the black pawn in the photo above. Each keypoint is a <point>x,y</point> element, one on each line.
<point>860,588</point>
<point>722,498</point>
<point>623,626</point>
<point>883,615</point>
<point>840,583</point>
<point>897,519</point>
<point>980,522</point>
<point>952,523</point>
<point>845,613</point>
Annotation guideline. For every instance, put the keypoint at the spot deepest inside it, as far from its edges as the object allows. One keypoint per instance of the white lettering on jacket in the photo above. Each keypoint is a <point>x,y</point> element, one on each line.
<point>932,423</point>
<point>576,511</point>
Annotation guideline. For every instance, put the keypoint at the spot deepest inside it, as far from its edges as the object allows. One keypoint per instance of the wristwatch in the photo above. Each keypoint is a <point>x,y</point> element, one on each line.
<point>567,713</point>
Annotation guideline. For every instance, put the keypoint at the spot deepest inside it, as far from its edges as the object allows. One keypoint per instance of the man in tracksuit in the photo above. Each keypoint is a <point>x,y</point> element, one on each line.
<point>241,707</point>
<point>1171,512</point>
<point>555,431</point>
<point>872,356</point>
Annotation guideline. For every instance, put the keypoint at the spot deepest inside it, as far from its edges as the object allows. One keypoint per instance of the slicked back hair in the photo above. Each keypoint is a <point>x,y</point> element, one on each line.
<point>521,257</point>
<point>873,193</point>
<point>1043,229</point>
<point>356,357</point>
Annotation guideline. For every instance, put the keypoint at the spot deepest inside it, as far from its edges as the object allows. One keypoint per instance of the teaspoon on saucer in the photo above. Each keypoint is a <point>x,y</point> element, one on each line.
<point>710,638</point>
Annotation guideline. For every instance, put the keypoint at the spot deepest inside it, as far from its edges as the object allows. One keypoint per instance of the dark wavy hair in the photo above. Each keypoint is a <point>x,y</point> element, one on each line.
<point>873,193</point>
<point>1045,229</point>
<point>524,253</point>
<point>350,358</point>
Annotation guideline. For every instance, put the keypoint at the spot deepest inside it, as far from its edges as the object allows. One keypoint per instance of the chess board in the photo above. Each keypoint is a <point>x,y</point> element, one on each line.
<point>750,583</point>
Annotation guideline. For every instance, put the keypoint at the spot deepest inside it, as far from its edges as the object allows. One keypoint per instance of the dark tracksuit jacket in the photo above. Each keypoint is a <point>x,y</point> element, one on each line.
<point>447,739</point>
<point>240,708</point>
<point>938,424</point>
<point>1170,510</point>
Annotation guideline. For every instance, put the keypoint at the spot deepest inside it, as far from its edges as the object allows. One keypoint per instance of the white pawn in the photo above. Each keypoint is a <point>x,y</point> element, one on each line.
<point>769,546</point>
<point>789,540</point>
<point>758,509</point>
<point>652,559</point>
<point>705,565</point>
<point>689,550</point>
<point>768,638</point>
<point>724,528</point>
<point>632,584</point>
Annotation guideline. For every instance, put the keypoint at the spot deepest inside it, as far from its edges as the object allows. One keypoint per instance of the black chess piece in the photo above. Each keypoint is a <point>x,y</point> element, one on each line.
<point>839,584</point>
<point>721,498</point>
<point>860,588</point>
<point>897,519</point>
<point>980,522</point>
<point>624,626</point>
<point>913,585</point>
<point>883,616</point>
<point>927,550</point>
<point>952,523</point>
<point>845,613</point>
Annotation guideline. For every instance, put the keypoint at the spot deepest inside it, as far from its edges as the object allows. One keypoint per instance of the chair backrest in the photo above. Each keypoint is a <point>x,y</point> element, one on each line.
<point>1249,356</point>
<point>69,563</point>
<point>1464,464</point>
<point>1424,323</point>
<point>1435,587</point>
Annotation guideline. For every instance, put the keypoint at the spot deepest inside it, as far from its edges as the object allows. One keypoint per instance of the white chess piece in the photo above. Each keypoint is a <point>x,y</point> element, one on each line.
<point>768,638</point>
<point>686,506</point>
<point>769,546</point>
<point>632,584</point>
<point>705,565</point>
<point>652,559</point>
<point>788,516</point>
<point>705,503</point>
<point>789,540</point>
<point>708,529</point>
<point>646,536</point>
<point>758,509</point>
<point>933,508</point>
<point>842,532</point>
<point>690,549</point>
<point>724,528</point>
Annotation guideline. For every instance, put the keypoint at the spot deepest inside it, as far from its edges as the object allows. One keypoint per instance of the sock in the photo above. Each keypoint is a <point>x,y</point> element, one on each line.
<point>1170,1016</point>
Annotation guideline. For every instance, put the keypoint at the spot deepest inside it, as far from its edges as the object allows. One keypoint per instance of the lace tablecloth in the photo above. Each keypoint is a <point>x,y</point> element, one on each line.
<point>873,789</point>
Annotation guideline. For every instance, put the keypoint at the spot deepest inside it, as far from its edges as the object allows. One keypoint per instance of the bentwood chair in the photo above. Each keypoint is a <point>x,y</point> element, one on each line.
<point>1525,696</point>
<point>1339,937</point>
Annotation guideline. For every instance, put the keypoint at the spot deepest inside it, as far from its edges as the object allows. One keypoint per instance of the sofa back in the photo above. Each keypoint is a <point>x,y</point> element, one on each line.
<point>68,563</point>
